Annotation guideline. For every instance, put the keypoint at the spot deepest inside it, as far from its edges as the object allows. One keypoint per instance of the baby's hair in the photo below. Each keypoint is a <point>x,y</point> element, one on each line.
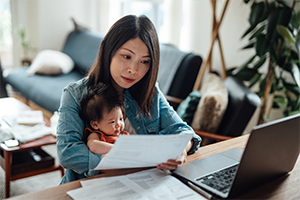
<point>98,101</point>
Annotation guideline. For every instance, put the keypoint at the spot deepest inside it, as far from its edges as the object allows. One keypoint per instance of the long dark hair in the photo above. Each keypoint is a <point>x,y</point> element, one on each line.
<point>126,28</point>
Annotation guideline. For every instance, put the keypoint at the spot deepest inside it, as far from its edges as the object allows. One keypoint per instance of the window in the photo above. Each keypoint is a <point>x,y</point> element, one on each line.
<point>153,9</point>
<point>5,34</point>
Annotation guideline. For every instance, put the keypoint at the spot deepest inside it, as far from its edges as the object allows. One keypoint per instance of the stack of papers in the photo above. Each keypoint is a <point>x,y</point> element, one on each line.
<point>151,184</point>
<point>29,133</point>
<point>26,126</point>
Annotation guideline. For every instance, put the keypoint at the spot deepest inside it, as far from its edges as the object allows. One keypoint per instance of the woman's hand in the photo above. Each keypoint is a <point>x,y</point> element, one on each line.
<point>172,164</point>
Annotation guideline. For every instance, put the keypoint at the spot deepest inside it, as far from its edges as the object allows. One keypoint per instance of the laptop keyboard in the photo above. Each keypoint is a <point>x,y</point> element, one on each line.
<point>220,180</point>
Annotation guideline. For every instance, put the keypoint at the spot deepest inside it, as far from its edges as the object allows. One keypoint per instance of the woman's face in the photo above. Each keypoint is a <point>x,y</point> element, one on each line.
<point>130,64</point>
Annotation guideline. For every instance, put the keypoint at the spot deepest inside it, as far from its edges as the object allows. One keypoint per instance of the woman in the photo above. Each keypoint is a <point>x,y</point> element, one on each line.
<point>128,59</point>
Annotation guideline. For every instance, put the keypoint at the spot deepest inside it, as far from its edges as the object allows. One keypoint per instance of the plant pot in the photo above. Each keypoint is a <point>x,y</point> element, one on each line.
<point>26,62</point>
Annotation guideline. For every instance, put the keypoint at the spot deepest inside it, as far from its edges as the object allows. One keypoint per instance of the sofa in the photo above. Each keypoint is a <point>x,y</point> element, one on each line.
<point>177,71</point>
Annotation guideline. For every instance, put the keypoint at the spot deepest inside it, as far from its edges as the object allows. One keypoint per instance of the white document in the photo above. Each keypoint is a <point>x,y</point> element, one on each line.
<point>110,189</point>
<point>132,151</point>
<point>164,186</point>
<point>177,188</point>
<point>148,184</point>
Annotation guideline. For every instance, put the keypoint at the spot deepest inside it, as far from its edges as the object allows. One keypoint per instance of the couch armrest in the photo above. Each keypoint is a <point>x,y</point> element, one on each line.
<point>212,136</point>
<point>174,101</point>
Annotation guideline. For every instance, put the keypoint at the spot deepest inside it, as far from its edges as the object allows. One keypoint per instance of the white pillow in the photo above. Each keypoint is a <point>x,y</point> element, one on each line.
<point>212,105</point>
<point>50,62</point>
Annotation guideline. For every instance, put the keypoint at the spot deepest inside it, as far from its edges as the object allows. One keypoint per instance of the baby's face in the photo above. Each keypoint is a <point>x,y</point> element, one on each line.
<point>112,122</point>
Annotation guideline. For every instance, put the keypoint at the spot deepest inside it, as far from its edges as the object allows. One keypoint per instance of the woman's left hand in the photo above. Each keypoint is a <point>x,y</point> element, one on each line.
<point>172,164</point>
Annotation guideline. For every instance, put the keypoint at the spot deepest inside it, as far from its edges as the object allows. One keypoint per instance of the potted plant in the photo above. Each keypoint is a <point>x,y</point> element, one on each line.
<point>274,34</point>
<point>25,44</point>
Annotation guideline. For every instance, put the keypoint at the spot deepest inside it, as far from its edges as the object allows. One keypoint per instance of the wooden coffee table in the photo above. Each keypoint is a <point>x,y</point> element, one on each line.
<point>12,106</point>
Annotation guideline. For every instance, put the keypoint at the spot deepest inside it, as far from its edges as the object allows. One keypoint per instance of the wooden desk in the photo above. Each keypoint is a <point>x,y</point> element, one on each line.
<point>11,106</point>
<point>286,187</point>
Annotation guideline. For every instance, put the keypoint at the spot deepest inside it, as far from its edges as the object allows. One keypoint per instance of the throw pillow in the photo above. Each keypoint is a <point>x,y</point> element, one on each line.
<point>50,62</point>
<point>212,105</point>
<point>188,106</point>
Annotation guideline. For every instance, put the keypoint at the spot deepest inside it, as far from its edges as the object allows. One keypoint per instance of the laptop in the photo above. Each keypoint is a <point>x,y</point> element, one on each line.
<point>271,151</point>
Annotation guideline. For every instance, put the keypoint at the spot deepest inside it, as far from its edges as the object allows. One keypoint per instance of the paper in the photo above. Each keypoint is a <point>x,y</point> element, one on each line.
<point>150,184</point>
<point>30,117</point>
<point>29,133</point>
<point>114,189</point>
<point>133,151</point>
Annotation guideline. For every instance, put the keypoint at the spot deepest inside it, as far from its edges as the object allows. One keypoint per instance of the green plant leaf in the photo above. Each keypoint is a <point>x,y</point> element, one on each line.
<point>295,22</point>
<point>297,104</point>
<point>273,57</point>
<point>260,93</point>
<point>285,3</point>
<point>266,118</point>
<point>280,101</point>
<point>229,71</point>
<point>279,16</point>
<point>258,13</point>
<point>254,80</point>
<point>249,30</point>
<point>245,74</point>
<point>298,16</point>
<point>296,74</point>
<point>293,113</point>
<point>298,43</point>
<point>261,45</point>
<point>292,88</point>
<point>257,32</point>
<point>260,62</point>
<point>263,84</point>
<point>286,34</point>
<point>250,45</point>
<point>295,56</point>
<point>238,69</point>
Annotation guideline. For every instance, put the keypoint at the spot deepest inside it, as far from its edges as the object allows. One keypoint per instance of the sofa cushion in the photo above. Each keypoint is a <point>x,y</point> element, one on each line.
<point>212,105</point>
<point>43,90</point>
<point>82,46</point>
<point>50,62</point>
<point>188,107</point>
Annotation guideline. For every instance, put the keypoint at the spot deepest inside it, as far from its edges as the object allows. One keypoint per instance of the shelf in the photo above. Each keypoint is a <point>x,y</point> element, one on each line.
<point>24,164</point>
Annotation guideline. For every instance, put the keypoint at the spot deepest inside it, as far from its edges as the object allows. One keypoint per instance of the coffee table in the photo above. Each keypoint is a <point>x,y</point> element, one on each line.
<point>12,106</point>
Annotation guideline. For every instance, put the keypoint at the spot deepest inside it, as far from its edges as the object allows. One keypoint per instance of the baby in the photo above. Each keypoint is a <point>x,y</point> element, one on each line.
<point>102,110</point>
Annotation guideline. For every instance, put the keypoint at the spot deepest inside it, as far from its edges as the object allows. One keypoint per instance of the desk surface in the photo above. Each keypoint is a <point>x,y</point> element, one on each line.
<point>286,187</point>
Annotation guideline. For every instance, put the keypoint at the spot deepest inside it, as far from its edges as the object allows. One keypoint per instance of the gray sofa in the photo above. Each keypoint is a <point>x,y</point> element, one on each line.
<point>178,71</point>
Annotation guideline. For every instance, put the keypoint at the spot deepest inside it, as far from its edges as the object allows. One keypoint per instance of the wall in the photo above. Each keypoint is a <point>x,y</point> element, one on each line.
<point>197,27</point>
<point>48,23</point>
<point>24,14</point>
